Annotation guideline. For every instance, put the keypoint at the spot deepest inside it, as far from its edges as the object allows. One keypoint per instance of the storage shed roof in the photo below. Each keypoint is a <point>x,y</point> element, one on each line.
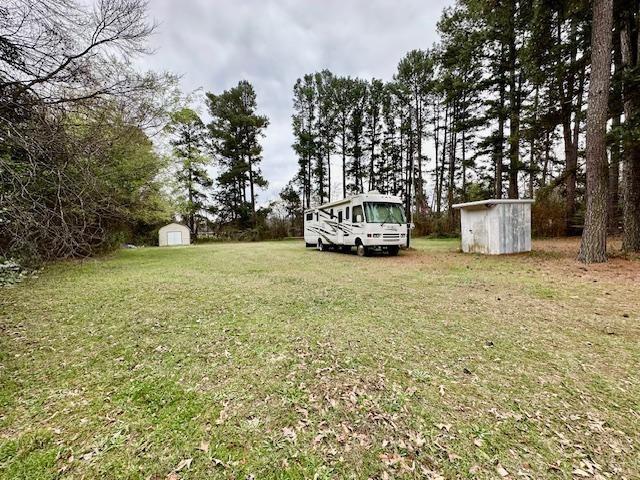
<point>491,202</point>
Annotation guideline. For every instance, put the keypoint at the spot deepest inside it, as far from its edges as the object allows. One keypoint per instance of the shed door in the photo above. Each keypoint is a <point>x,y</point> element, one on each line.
<point>174,238</point>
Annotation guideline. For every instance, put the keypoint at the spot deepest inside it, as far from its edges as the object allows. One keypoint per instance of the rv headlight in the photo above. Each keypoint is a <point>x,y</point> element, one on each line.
<point>376,235</point>
<point>402,235</point>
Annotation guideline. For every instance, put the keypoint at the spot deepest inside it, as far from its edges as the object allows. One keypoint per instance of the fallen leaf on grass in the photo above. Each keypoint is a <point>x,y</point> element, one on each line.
<point>502,471</point>
<point>443,426</point>
<point>441,388</point>
<point>580,473</point>
<point>224,414</point>
<point>453,457</point>
<point>173,476</point>
<point>204,446</point>
<point>474,469</point>
<point>318,439</point>
<point>390,458</point>
<point>478,442</point>
<point>186,463</point>
<point>290,434</point>
<point>87,456</point>
<point>418,439</point>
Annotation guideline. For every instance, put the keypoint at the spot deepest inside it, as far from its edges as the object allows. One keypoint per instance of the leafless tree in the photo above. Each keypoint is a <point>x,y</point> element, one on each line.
<point>69,96</point>
<point>61,51</point>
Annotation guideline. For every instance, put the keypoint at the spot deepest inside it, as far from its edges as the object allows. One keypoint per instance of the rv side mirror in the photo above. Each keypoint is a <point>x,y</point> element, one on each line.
<point>358,218</point>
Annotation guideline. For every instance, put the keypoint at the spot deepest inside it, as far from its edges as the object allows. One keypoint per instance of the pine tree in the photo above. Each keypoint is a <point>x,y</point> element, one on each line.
<point>235,131</point>
<point>593,247</point>
<point>356,170</point>
<point>373,127</point>
<point>303,121</point>
<point>325,132</point>
<point>344,101</point>
<point>415,75</point>
<point>187,133</point>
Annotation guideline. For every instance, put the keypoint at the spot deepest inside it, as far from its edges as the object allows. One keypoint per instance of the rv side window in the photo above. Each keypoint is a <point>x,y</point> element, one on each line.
<point>309,216</point>
<point>346,214</point>
<point>357,210</point>
<point>340,216</point>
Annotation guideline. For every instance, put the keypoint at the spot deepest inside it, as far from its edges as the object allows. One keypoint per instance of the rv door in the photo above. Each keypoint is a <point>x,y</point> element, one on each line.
<point>339,232</point>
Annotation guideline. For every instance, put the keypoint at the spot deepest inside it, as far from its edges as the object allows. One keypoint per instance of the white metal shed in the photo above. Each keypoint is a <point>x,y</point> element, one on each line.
<point>174,234</point>
<point>496,226</point>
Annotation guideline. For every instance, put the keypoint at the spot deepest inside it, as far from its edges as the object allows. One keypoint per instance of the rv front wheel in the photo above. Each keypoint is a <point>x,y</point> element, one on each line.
<point>362,250</point>
<point>393,250</point>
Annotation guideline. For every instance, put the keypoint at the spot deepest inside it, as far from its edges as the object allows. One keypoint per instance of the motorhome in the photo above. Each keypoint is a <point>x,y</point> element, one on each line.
<point>369,222</point>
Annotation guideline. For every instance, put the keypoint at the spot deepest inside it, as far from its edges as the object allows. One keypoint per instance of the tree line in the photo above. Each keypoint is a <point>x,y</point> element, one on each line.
<point>79,173</point>
<point>498,108</point>
<point>518,98</point>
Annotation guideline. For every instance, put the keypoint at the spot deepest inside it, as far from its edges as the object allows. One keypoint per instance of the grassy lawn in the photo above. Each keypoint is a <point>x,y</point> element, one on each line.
<point>271,361</point>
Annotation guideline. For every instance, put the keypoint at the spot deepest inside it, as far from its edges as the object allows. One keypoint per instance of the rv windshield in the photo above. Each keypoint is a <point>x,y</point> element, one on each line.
<point>383,212</point>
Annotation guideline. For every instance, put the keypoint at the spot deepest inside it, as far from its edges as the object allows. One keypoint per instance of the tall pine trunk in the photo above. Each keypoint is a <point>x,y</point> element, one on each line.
<point>309,181</point>
<point>593,247</point>
<point>372,155</point>
<point>343,139</point>
<point>252,191</point>
<point>630,40</point>
<point>532,146</point>
<point>547,157</point>
<point>499,145</point>
<point>616,153</point>
<point>464,167</point>
<point>614,180</point>
<point>452,164</point>
<point>436,138</point>
<point>514,111</point>
<point>328,176</point>
<point>566,110</point>
<point>420,200</point>
<point>409,188</point>
<point>443,160</point>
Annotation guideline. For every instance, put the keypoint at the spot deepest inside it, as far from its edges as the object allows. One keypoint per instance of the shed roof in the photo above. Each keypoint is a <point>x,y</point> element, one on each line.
<point>491,202</point>
<point>174,224</point>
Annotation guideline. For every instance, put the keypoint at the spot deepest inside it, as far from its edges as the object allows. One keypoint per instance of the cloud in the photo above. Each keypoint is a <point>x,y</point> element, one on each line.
<point>214,44</point>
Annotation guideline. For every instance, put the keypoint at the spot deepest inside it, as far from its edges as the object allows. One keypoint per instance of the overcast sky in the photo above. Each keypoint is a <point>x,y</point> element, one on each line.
<point>213,44</point>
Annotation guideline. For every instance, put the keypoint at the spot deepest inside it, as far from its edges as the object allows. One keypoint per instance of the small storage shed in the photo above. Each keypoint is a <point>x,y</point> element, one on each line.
<point>174,234</point>
<point>496,227</point>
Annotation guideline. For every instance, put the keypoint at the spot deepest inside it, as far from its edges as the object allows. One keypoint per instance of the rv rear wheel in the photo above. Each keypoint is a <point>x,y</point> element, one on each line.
<point>362,250</point>
<point>321,246</point>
